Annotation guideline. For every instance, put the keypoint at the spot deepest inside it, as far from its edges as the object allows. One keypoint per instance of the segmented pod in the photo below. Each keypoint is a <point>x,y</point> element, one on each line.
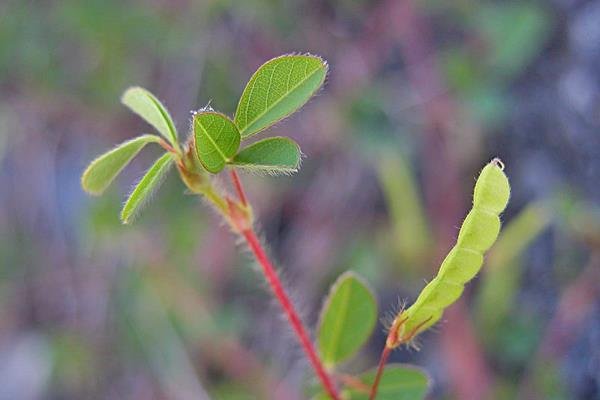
<point>477,234</point>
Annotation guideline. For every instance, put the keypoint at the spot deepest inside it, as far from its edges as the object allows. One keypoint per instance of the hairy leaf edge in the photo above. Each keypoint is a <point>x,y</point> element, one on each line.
<point>262,169</point>
<point>149,138</point>
<point>325,65</point>
<point>163,165</point>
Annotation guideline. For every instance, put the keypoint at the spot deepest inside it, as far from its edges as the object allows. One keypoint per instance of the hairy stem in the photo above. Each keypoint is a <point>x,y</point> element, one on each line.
<point>215,199</point>
<point>239,216</point>
<point>237,183</point>
<point>290,311</point>
<point>246,230</point>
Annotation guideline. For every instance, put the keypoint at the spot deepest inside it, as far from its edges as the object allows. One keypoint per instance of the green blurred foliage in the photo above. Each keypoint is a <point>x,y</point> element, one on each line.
<point>410,235</point>
<point>509,36</point>
<point>501,278</point>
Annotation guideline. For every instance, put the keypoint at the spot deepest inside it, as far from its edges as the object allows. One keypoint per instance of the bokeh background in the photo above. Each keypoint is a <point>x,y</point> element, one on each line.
<point>421,94</point>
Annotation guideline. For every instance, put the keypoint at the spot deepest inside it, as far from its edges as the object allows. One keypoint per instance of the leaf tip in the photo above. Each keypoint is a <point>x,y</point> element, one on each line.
<point>85,185</point>
<point>91,192</point>
<point>125,220</point>
<point>86,181</point>
<point>129,92</point>
<point>126,216</point>
<point>323,61</point>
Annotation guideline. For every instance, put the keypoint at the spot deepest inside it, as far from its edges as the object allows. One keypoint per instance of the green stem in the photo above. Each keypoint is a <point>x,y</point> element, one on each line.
<point>215,199</point>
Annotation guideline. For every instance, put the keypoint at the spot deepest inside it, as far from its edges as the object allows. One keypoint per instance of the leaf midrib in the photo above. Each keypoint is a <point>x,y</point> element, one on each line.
<point>337,329</point>
<point>217,148</point>
<point>132,203</point>
<point>167,119</point>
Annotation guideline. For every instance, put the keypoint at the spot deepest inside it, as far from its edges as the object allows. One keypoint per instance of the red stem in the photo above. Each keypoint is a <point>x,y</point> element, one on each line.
<point>163,143</point>
<point>382,360</point>
<point>288,307</point>
<point>238,187</point>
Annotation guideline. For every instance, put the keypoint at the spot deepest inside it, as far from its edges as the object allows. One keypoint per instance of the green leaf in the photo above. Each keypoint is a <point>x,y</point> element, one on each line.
<point>347,319</point>
<point>217,140</point>
<point>104,169</point>
<point>410,237</point>
<point>147,106</point>
<point>398,382</point>
<point>277,89</point>
<point>146,186</point>
<point>272,155</point>
<point>514,32</point>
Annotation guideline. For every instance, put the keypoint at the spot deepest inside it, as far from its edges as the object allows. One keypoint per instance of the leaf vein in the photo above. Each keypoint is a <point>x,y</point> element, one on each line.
<point>306,77</point>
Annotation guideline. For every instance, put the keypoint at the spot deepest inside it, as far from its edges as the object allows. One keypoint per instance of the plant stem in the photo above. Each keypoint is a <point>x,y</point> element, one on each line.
<point>163,143</point>
<point>237,183</point>
<point>215,199</point>
<point>382,360</point>
<point>290,311</point>
<point>241,222</point>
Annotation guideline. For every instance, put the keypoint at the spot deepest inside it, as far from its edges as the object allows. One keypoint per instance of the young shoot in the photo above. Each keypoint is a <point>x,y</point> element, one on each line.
<point>215,144</point>
<point>277,89</point>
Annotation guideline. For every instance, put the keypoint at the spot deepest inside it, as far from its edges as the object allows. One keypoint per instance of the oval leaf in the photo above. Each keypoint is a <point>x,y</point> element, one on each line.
<point>347,319</point>
<point>398,382</point>
<point>277,89</point>
<point>217,140</point>
<point>273,155</point>
<point>104,169</point>
<point>146,186</point>
<point>147,106</point>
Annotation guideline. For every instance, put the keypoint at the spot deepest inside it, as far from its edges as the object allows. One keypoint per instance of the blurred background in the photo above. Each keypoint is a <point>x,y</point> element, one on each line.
<point>421,94</point>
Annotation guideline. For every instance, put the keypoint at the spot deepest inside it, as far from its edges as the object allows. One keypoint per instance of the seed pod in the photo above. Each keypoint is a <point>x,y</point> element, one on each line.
<point>477,234</point>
